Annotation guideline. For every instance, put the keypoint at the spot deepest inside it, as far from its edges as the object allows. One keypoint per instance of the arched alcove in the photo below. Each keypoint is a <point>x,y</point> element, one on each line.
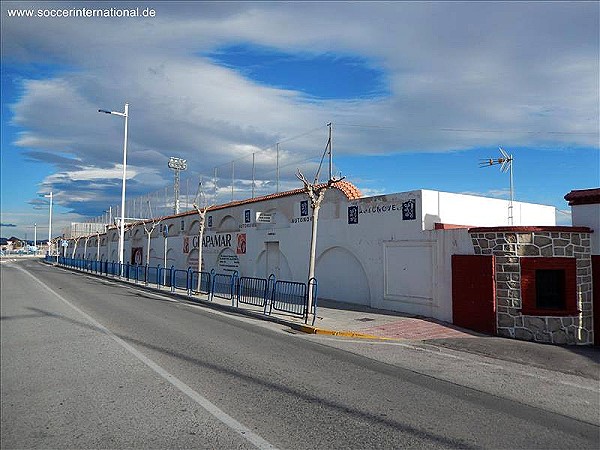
<point>228,223</point>
<point>155,258</point>
<point>193,228</point>
<point>272,261</point>
<point>342,277</point>
<point>192,260</point>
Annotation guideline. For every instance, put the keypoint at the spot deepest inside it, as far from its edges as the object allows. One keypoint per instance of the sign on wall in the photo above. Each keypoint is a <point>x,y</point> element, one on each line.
<point>352,215</point>
<point>247,216</point>
<point>228,261</point>
<point>264,217</point>
<point>304,208</point>
<point>214,242</point>
<point>409,210</point>
<point>241,244</point>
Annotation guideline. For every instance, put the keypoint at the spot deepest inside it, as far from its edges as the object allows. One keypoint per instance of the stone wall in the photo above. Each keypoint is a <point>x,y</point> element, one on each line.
<point>509,247</point>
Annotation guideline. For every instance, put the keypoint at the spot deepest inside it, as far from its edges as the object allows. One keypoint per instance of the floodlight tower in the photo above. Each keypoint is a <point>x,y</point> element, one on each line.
<point>177,164</point>
<point>506,165</point>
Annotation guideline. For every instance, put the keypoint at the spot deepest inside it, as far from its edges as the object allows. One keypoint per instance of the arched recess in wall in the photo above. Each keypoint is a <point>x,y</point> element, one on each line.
<point>342,277</point>
<point>193,228</point>
<point>155,259</point>
<point>170,257</point>
<point>114,256</point>
<point>228,223</point>
<point>272,261</point>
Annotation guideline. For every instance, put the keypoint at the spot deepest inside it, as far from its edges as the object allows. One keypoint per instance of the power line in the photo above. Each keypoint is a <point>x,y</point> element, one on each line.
<point>271,146</point>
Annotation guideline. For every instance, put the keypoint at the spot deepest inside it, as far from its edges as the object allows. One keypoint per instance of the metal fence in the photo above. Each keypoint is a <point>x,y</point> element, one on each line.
<point>205,283</point>
<point>223,285</point>
<point>253,291</point>
<point>290,297</point>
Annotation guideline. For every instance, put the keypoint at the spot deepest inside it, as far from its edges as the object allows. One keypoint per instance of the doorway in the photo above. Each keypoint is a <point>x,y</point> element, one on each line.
<point>273,259</point>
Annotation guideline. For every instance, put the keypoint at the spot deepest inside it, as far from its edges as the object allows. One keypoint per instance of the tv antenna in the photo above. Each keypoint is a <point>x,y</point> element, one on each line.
<point>506,165</point>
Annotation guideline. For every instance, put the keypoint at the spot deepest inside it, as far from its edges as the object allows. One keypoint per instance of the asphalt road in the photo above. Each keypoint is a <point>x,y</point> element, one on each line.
<point>90,364</point>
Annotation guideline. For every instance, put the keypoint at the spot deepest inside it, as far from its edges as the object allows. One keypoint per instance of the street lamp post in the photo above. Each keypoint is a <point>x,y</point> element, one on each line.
<point>122,224</point>
<point>50,224</point>
<point>166,235</point>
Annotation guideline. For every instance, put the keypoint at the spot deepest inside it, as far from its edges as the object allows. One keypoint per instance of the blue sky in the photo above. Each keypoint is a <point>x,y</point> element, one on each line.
<point>417,93</point>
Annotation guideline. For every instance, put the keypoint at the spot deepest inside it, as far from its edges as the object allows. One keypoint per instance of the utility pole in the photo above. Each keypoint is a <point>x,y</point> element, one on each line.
<point>98,245</point>
<point>277,167</point>
<point>232,178</point>
<point>166,236</point>
<point>50,246</point>
<point>316,194</point>
<point>253,175</point>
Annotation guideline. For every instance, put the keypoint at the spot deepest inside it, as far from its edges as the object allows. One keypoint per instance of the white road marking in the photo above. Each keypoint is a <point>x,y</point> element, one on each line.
<point>239,428</point>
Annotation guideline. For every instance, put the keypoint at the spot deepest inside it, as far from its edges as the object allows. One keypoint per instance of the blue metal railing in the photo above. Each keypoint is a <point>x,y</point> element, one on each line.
<point>205,282</point>
<point>181,279</point>
<point>252,291</point>
<point>223,285</point>
<point>290,297</point>
<point>271,294</point>
<point>164,277</point>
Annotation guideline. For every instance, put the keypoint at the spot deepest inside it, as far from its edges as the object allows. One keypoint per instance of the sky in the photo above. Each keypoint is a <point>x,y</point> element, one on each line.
<point>417,93</point>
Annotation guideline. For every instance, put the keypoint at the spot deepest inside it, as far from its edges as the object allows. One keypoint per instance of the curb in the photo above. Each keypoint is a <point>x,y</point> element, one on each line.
<point>308,329</point>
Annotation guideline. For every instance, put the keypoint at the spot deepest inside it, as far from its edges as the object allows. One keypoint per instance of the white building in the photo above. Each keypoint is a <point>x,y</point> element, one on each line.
<point>390,251</point>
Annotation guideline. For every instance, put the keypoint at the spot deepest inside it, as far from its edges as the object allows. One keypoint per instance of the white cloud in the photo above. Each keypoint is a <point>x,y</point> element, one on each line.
<point>518,68</point>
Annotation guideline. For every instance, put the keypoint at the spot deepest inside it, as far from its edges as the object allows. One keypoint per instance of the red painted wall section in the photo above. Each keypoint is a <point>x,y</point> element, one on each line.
<point>528,289</point>
<point>474,292</point>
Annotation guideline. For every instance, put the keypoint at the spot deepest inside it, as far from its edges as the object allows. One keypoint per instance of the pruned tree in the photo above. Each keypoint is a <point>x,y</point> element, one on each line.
<point>77,239</point>
<point>149,227</point>
<point>316,193</point>
<point>201,225</point>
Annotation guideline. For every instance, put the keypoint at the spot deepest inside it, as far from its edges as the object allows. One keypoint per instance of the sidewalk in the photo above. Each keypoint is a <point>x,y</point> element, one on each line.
<point>362,322</point>
<point>347,320</point>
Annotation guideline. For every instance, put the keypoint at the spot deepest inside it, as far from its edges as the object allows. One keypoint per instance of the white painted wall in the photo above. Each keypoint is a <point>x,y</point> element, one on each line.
<point>460,209</point>
<point>588,216</point>
<point>389,257</point>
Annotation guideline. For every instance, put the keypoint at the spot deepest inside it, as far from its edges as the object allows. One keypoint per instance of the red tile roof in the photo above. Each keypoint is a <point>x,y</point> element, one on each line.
<point>583,197</point>
<point>348,189</point>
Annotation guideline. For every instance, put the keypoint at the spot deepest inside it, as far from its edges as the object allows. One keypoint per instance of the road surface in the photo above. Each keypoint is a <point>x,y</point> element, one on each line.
<point>87,363</point>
